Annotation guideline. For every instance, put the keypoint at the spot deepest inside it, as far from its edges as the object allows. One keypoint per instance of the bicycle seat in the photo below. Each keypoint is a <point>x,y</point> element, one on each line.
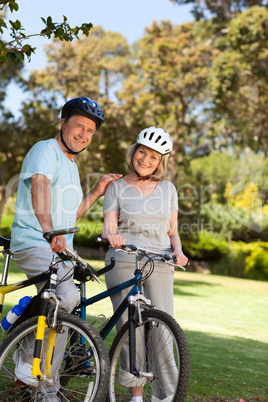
<point>5,243</point>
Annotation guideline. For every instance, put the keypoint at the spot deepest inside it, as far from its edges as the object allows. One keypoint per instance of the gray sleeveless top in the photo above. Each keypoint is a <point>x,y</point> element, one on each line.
<point>143,220</point>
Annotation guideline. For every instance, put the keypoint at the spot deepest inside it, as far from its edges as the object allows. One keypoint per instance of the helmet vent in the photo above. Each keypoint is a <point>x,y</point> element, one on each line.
<point>158,138</point>
<point>151,136</point>
<point>164,143</point>
<point>145,134</point>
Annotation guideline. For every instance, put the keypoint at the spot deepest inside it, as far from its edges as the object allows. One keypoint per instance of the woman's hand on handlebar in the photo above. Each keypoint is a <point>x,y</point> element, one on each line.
<point>116,240</point>
<point>180,258</point>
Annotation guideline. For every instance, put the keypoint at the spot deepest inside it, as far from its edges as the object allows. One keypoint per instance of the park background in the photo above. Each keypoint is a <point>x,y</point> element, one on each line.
<point>200,72</point>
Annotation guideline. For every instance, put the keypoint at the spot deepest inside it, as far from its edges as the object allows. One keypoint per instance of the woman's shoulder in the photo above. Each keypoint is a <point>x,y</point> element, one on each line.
<point>116,185</point>
<point>167,184</point>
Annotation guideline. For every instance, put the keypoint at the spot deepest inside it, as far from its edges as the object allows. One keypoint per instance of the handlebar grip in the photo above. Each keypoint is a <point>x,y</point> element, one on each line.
<point>102,240</point>
<point>49,235</point>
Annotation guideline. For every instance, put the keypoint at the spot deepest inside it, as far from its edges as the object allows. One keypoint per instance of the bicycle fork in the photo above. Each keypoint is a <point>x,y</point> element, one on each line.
<point>43,323</point>
<point>135,318</point>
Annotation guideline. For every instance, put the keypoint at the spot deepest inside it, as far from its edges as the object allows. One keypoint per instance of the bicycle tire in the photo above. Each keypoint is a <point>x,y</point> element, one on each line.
<point>88,376</point>
<point>162,332</point>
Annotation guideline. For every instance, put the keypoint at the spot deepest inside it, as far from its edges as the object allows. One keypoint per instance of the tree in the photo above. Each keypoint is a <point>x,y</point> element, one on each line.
<point>221,10</point>
<point>239,83</point>
<point>39,121</point>
<point>91,66</point>
<point>169,83</point>
<point>15,50</point>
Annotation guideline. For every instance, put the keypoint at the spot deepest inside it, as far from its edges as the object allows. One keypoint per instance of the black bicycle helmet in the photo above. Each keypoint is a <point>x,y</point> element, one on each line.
<point>84,107</point>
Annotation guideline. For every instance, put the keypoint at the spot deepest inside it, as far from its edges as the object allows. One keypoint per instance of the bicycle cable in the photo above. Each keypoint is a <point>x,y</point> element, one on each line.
<point>151,268</point>
<point>67,276</point>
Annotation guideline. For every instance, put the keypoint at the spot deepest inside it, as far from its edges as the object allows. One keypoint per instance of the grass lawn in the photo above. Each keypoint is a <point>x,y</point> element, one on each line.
<point>225,322</point>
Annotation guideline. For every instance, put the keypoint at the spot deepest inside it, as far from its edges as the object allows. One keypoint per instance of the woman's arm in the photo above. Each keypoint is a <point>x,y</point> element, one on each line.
<point>110,227</point>
<point>175,240</point>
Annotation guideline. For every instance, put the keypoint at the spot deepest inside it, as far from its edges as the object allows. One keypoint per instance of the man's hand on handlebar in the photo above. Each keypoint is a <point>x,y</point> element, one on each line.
<point>58,244</point>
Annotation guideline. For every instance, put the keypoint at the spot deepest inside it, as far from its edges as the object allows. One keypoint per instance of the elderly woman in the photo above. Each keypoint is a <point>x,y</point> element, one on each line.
<point>142,209</point>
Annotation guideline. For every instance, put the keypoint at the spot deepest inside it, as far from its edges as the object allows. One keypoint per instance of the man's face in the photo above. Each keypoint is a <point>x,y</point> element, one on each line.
<point>78,132</point>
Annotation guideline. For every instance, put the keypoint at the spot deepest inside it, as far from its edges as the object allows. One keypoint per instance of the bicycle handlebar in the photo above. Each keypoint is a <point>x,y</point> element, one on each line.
<point>71,255</point>
<point>49,235</point>
<point>167,258</point>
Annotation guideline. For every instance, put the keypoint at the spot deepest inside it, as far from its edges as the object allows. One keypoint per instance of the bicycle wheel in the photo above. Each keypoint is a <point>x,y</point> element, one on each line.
<point>161,355</point>
<point>79,373</point>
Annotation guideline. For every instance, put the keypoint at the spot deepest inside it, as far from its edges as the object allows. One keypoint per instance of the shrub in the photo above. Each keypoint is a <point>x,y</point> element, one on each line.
<point>6,222</point>
<point>88,233</point>
<point>237,258</point>
<point>206,246</point>
<point>256,263</point>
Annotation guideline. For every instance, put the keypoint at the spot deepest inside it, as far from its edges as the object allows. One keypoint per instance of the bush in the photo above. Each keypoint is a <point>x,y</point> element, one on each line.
<point>256,266</point>
<point>6,222</point>
<point>86,237</point>
<point>88,233</point>
<point>206,246</point>
<point>237,258</point>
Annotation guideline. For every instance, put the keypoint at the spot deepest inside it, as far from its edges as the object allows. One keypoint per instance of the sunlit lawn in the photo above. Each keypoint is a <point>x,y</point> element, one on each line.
<point>226,325</point>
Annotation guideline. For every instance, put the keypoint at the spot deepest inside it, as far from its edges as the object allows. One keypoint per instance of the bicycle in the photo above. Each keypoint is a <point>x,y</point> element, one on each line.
<point>81,373</point>
<point>158,329</point>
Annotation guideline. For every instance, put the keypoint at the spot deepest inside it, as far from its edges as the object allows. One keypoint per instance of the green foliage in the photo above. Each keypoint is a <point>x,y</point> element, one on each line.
<point>238,82</point>
<point>15,51</point>
<point>171,72</point>
<point>233,258</point>
<point>101,59</point>
<point>256,263</point>
<point>205,246</point>
<point>6,223</point>
<point>204,82</point>
<point>221,11</point>
<point>88,232</point>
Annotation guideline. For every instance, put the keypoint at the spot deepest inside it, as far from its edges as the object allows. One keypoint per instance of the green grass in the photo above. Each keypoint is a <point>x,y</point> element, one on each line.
<point>225,323</point>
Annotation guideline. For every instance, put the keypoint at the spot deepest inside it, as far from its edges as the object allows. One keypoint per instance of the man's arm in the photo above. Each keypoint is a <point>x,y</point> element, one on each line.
<point>97,192</point>
<point>41,200</point>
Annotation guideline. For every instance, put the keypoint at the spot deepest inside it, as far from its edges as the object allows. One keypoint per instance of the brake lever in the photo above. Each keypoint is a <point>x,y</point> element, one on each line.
<point>170,260</point>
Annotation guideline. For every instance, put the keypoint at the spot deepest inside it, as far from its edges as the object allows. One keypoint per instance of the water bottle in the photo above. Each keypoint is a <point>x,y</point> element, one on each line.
<point>15,313</point>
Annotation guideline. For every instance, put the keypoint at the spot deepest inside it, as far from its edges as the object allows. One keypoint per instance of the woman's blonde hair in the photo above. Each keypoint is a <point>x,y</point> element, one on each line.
<point>161,171</point>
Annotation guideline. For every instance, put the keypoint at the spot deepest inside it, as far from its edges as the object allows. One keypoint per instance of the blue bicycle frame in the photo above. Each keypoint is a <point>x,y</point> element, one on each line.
<point>135,282</point>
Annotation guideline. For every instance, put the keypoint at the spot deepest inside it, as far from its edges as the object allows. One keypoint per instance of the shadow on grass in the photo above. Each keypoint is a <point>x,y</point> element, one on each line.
<point>222,368</point>
<point>227,369</point>
<point>180,283</point>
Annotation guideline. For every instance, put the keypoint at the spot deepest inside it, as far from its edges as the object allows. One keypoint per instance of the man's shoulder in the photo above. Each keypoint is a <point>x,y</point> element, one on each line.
<point>45,145</point>
<point>45,149</point>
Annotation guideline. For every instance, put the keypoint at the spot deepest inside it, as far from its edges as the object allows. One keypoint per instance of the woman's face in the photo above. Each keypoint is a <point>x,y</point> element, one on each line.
<point>145,160</point>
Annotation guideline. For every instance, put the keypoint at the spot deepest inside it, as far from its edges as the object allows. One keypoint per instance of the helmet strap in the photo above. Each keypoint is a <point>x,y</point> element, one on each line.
<point>69,150</point>
<point>145,177</point>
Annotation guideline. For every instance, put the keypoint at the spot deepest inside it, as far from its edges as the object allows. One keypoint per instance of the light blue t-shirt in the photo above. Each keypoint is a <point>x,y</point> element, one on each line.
<point>46,158</point>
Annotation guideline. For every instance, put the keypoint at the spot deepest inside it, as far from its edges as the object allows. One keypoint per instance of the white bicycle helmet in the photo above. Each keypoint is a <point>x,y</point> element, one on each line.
<point>156,139</point>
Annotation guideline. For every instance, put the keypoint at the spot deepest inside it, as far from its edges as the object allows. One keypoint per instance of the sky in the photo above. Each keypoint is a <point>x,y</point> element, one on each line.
<point>128,17</point>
